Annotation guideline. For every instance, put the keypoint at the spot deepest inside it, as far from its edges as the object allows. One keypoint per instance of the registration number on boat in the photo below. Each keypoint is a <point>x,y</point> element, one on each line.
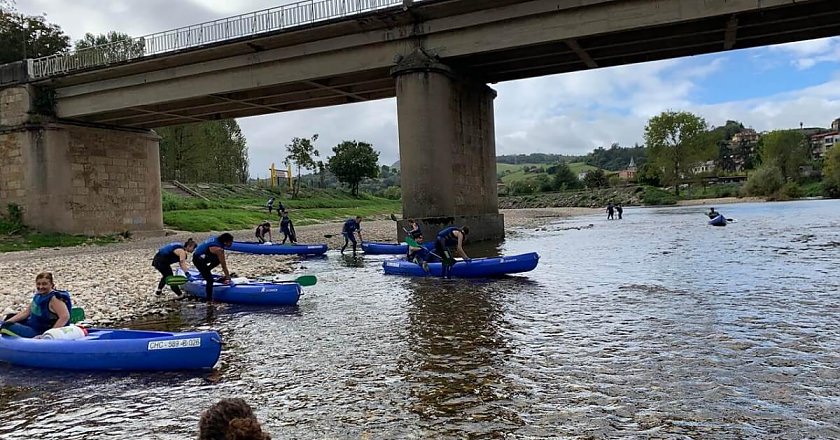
<point>175,343</point>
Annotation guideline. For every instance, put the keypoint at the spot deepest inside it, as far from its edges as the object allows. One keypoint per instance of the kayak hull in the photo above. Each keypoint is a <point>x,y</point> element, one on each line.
<point>476,268</point>
<point>378,248</point>
<point>116,350</point>
<point>251,293</point>
<point>718,221</point>
<point>278,249</point>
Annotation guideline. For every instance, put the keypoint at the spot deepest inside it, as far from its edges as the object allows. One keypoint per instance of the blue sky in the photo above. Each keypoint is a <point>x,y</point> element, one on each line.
<point>764,88</point>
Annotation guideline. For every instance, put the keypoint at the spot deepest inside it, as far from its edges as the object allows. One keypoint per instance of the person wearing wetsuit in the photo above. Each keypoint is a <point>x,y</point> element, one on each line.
<point>288,229</point>
<point>446,239</point>
<point>168,255</point>
<point>351,226</point>
<point>262,229</point>
<point>50,308</point>
<point>210,254</point>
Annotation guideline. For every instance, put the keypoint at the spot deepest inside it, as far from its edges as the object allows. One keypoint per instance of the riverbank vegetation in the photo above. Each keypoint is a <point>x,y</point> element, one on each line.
<point>15,236</point>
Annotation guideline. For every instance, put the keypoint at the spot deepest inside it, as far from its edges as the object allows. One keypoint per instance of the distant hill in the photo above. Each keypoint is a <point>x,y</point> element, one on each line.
<point>512,173</point>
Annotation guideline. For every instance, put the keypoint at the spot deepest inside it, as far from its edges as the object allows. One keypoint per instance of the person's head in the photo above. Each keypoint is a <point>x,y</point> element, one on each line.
<point>226,239</point>
<point>419,238</point>
<point>230,419</point>
<point>412,222</point>
<point>190,245</point>
<point>358,219</point>
<point>285,213</point>
<point>266,224</point>
<point>465,230</point>
<point>44,282</point>
<point>712,209</point>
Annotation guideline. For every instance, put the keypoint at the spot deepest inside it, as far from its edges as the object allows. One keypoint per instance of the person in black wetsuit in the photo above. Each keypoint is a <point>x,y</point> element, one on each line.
<point>168,255</point>
<point>210,254</point>
<point>287,228</point>
<point>351,226</point>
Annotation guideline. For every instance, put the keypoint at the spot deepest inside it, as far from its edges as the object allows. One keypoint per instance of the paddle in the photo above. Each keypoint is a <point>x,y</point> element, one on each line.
<point>176,280</point>
<point>303,280</point>
<point>77,314</point>
<point>410,241</point>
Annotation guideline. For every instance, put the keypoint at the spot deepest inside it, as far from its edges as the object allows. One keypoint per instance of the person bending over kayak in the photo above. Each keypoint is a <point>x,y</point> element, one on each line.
<point>287,228</point>
<point>49,309</point>
<point>168,255</point>
<point>351,226</point>
<point>262,229</point>
<point>210,254</point>
<point>446,239</point>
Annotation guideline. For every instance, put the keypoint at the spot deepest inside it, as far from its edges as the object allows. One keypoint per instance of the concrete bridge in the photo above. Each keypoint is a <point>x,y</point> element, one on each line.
<point>78,154</point>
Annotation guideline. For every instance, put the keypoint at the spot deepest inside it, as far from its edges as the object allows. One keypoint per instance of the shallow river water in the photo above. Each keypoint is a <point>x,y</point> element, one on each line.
<point>654,326</point>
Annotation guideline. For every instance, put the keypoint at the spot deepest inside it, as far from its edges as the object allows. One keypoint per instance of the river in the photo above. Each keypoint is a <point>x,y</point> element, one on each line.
<point>657,325</point>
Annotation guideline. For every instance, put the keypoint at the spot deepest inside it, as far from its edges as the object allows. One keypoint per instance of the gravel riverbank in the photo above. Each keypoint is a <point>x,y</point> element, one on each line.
<point>116,282</point>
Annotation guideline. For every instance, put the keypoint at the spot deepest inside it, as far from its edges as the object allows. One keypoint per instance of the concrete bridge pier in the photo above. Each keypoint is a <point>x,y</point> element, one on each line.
<point>447,149</point>
<point>73,178</point>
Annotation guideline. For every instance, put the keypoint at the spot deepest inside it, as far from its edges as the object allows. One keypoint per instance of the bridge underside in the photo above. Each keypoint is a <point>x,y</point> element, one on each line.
<point>758,27</point>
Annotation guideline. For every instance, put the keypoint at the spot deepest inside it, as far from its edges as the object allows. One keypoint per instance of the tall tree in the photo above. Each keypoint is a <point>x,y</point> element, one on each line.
<point>352,162</point>
<point>677,141</point>
<point>113,46</point>
<point>595,179</point>
<point>831,171</point>
<point>300,153</point>
<point>564,178</point>
<point>787,149</point>
<point>28,36</point>
<point>213,151</point>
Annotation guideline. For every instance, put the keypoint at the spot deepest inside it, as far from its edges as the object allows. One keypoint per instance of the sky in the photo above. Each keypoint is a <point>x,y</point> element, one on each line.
<point>766,88</point>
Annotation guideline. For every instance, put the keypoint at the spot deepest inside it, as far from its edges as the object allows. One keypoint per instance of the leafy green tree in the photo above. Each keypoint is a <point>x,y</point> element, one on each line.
<point>564,178</point>
<point>24,36</point>
<point>595,179</point>
<point>676,142</point>
<point>649,174</point>
<point>113,46</point>
<point>765,181</point>
<point>787,149</point>
<point>206,152</point>
<point>831,171</point>
<point>352,162</point>
<point>300,153</point>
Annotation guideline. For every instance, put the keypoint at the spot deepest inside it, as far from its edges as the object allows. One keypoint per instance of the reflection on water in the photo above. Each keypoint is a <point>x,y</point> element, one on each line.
<point>657,325</point>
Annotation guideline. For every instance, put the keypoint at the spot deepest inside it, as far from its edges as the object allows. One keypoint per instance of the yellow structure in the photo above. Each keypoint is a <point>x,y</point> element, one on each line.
<point>273,174</point>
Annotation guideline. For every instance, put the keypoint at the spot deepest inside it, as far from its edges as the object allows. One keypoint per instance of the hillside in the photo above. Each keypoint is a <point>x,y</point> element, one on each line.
<point>511,173</point>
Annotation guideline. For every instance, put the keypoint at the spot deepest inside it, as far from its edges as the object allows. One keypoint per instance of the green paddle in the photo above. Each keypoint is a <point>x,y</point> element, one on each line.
<point>303,280</point>
<point>77,314</point>
<point>175,280</point>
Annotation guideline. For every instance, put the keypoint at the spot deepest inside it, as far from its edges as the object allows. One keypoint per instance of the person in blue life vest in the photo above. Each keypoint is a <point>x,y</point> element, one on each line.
<point>447,239</point>
<point>351,226</point>
<point>50,308</point>
<point>262,229</point>
<point>210,254</point>
<point>168,255</point>
<point>288,228</point>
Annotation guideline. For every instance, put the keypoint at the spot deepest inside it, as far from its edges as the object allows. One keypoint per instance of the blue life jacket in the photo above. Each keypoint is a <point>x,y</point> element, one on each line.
<point>447,236</point>
<point>167,252</point>
<point>41,318</point>
<point>203,250</point>
<point>351,226</point>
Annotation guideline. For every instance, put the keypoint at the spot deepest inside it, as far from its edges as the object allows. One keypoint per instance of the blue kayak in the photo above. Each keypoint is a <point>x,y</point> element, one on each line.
<point>377,248</point>
<point>720,220</point>
<point>284,293</point>
<point>474,268</point>
<point>250,247</point>
<point>120,350</point>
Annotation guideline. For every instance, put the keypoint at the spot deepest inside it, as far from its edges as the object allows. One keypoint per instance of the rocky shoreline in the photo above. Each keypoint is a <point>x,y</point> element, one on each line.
<point>116,282</point>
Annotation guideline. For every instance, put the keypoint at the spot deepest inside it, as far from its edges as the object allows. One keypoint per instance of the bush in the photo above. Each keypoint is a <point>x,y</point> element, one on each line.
<point>392,192</point>
<point>656,196</point>
<point>790,190</point>
<point>765,181</point>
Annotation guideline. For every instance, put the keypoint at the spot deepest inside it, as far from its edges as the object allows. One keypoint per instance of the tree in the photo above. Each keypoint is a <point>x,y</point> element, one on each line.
<point>564,178</point>
<point>831,171</point>
<point>595,179</point>
<point>787,149</point>
<point>113,47</point>
<point>676,142</point>
<point>23,36</point>
<point>300,154</point>
<point>352,162</point>
<point>206,152</point>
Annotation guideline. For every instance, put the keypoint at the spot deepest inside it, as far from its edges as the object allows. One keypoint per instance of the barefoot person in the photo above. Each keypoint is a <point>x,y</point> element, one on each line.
<point>50,308</point>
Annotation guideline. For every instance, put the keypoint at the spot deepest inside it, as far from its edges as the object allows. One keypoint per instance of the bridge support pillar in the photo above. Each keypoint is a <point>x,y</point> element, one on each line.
<point>77,179</point>
<point>447,149</point>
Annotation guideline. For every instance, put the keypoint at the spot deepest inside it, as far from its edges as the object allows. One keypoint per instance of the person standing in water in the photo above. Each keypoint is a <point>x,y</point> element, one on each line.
<point>351,226</point>
<point>210,254</point>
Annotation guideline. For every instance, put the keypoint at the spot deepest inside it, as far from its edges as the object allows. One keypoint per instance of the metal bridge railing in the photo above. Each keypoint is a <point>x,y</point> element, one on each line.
<point>254,23</point>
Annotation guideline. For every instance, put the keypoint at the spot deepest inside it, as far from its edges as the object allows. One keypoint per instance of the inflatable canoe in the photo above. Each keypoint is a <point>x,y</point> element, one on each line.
<point>475,268</point>
<point>284,293</point>
<point>118,350</point>
<point>720,220</point>
<point>377,248</point>
<point>278,249</point>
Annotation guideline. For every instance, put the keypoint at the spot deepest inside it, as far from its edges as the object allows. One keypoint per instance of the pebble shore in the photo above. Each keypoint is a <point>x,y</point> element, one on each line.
<point>116,282</point>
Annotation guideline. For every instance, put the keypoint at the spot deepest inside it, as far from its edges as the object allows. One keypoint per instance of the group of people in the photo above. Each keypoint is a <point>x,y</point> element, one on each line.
<point>446,240</point>
<point>612,210</point>
<point>263,230</point>
<point>206,256</point>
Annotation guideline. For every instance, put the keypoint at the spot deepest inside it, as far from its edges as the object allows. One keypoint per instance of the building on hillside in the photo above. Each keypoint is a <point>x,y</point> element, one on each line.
<point>628,173</point>
<point>747,135</point>
<point>822,142</point>
<point>703,167</point>
<point>835,125</point>
<point>742,150</point>
<point>582,175</point>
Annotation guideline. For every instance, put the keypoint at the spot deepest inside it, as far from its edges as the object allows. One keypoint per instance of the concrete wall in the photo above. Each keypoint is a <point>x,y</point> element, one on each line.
<point>77,179</point>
